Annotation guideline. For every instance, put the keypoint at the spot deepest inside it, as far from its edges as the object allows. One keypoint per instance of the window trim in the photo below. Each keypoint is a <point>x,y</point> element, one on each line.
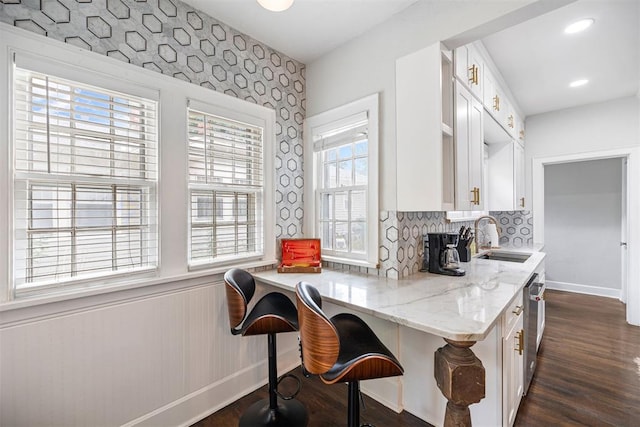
<point>369,105</point>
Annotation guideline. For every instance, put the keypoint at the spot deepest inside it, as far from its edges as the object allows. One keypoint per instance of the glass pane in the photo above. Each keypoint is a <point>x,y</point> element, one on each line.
<point>330,174</point>
<point>94,207</point>
<point>358,206</point>
<point>128,248</point>
<point>358,237</point>
<point>361,148</point>
<point>330,155</point>
<point>94,250</point>
<point>326,206</point>
<point>342,237</point>
<point>50,206</point>
<point>129,205</point>
<point>50,256</point>
<point>225,241</point>
<point>242,207</point>
<point>362,171</point>
<point>201,243</point>
<point>345,152</point>
<point>327,235</point>
<point>342,206</point>
<point>345,174</point>
<point>225,207</point>
<point>202,208</point>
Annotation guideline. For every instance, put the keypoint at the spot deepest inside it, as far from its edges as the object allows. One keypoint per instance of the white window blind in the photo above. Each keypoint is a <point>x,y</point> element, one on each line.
<point>85,175</point>
<point>226,185</point>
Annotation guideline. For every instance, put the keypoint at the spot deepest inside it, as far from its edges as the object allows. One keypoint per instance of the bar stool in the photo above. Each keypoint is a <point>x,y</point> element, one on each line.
<point>273,313</point>
<point>341,349</point>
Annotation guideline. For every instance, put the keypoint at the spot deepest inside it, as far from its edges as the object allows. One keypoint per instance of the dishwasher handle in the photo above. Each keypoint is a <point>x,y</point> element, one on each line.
<point>536,291</point>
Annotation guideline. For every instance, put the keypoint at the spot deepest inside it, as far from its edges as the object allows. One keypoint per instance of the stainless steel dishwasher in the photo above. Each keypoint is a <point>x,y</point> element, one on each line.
<point>533,295</point>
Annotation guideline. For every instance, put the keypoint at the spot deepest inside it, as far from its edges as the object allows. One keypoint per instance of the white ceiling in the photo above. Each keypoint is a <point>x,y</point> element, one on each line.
<point>309,28</point>
<point>538,61</point>
<point>536,58</point>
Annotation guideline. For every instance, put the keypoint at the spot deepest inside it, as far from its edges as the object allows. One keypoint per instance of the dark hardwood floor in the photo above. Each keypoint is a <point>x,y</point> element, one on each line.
<point>588,375</point>
<point>588,366</point>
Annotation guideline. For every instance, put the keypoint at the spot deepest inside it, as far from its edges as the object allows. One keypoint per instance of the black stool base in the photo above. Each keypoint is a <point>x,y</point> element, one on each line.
<point>290,413</point>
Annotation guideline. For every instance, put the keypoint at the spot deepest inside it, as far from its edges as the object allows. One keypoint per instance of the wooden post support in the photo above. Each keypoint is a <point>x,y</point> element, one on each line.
<point>461,379</point>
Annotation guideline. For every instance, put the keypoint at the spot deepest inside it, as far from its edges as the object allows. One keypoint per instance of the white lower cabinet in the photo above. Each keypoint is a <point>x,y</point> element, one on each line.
<point>512,361</point>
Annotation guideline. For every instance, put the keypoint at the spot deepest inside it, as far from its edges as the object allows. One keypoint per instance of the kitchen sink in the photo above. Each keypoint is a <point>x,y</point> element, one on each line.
<point>505,256</point>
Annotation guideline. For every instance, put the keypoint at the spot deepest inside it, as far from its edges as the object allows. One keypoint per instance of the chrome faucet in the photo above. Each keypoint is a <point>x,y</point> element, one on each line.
<point>484,244</point>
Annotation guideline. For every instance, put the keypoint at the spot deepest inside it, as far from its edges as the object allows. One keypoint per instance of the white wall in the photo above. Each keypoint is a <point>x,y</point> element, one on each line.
<point>582,203</point>
<point>594,127</point>
<point>367,65</point>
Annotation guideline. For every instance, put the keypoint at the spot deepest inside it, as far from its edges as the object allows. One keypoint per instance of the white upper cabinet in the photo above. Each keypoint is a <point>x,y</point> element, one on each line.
<point>469,69</point>
<point>424,131</point>
<point>469,146</point>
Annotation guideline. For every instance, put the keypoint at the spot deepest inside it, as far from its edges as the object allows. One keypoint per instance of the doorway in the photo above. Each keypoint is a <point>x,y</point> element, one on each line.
<point>629,217</point>
<point>583,225</point>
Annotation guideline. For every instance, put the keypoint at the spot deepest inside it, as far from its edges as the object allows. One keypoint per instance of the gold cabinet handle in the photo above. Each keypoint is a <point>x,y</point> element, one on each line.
<point>522,202</point>
<point>496,103</point>
<point>520,338</point>
<point>473,74</point>
<point>521,134</point>
<point>476,196</point>
<point>511,124</point>
<point>518,310</point>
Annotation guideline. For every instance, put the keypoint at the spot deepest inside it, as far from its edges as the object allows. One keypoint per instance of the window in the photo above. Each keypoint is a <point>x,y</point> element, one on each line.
<point>85,176</point>
<point>345,182</point>
<point>226,188</point>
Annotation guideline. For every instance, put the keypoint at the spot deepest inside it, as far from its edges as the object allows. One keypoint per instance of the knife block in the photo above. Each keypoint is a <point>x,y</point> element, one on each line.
<point>463,251</point>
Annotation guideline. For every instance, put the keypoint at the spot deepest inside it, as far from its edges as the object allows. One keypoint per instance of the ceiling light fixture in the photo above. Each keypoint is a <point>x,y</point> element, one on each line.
<point>578,26</point>
<point>276,5</point>
<point>578,83</point>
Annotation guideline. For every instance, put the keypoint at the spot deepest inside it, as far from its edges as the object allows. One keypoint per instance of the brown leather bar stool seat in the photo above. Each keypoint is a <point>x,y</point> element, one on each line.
<point>274,313</point>
<point>341,349</point>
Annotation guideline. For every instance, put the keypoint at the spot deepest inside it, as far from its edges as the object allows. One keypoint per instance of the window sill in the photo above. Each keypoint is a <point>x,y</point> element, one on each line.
<point>347,261</point>
<point>32,307</point>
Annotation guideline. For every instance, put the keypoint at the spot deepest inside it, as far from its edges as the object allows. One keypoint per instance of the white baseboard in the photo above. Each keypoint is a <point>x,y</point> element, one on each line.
<point>215,396</point>
<point>583,289</point>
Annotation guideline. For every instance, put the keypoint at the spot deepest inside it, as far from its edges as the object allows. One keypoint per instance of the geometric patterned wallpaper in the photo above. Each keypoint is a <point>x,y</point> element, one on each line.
<point>172,38</point>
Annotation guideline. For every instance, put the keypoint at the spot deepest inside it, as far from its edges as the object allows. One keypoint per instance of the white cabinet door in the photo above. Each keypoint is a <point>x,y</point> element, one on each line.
<point>519,166</point>
<point>469,69</point>
<point>468,151</point>
<point>513,372</point>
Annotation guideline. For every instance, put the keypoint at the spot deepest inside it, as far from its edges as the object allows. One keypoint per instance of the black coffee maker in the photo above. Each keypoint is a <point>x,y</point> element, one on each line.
<point>441,254</point>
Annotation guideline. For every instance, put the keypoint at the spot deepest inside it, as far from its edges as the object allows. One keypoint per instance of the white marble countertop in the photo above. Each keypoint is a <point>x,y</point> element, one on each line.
<point>459,308</point>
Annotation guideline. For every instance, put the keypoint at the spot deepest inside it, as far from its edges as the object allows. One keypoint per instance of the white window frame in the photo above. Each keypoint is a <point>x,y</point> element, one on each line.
<point>58,58</point>
<point>20,178</point>
<point>315,126</point>
<point>266,197</point>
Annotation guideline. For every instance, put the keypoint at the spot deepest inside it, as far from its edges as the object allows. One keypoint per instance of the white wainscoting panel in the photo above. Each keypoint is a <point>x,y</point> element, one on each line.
<point>162,360</point>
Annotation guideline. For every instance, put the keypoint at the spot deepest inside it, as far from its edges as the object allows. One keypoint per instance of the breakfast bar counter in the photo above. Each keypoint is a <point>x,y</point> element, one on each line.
<point>426,308</point>
<point>459,308</point>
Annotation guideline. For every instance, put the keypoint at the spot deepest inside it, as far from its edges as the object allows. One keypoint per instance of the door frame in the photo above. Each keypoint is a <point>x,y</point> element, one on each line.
<point>631,191</point>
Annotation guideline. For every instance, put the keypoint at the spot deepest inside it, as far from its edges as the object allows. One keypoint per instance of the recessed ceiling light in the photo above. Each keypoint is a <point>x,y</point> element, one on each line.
<point>578,83</point>
<point>578,26</point>
<point>276,5</point>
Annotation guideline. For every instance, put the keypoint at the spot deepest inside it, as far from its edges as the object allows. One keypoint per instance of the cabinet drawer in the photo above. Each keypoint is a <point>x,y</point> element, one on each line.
<point>512,314</point>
